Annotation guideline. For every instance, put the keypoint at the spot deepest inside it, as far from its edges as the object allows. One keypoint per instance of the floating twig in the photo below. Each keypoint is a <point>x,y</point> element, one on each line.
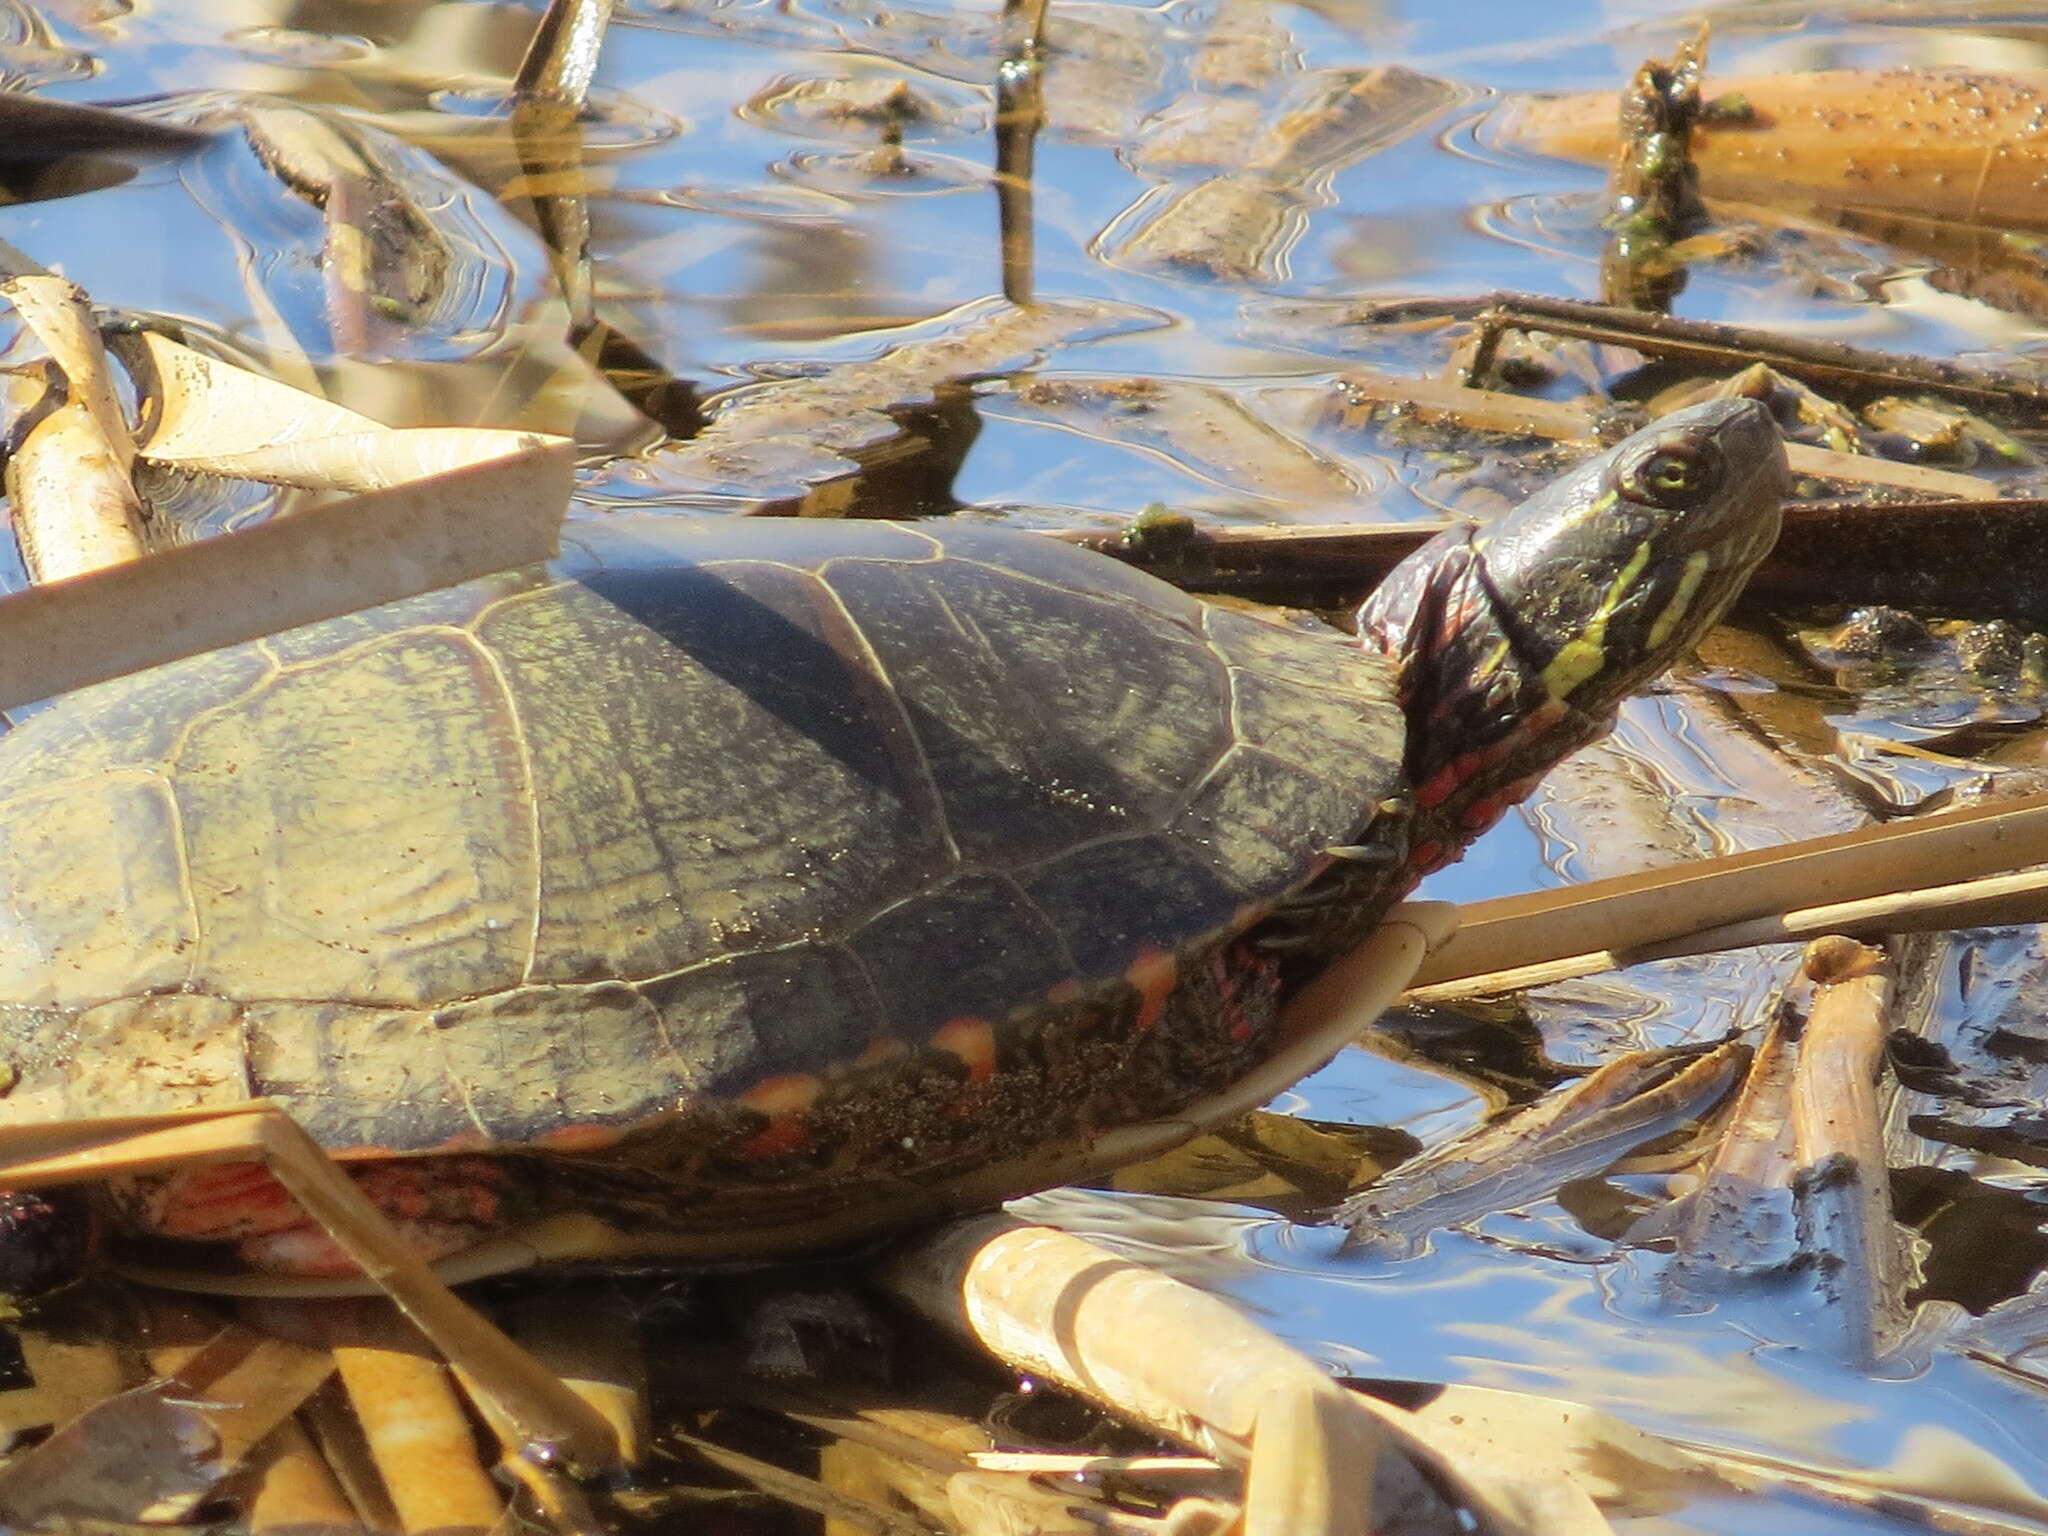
<point>1993,901</point>
<point>1709,343</point>
<point>411,1416</point>
<point>561,58</point>
<point>292,1492</point>
<point>1492,411</point>
<point>1573,1133</point>
<point>1798,1182</point>
<point>1020,114</point>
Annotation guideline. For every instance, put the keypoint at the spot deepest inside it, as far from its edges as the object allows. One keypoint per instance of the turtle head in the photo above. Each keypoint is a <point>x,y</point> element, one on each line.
<point>1514,642</point>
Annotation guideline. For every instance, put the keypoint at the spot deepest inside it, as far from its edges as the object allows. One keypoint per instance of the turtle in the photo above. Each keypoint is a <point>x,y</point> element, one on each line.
<point>736,886</point>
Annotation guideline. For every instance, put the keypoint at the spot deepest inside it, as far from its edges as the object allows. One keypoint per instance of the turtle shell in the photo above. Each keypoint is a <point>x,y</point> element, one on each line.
<point>710,820</point>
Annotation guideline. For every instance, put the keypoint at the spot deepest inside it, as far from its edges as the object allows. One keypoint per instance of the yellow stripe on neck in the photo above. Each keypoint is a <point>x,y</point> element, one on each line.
<point>1580,659</point>
<point>1697,565</point>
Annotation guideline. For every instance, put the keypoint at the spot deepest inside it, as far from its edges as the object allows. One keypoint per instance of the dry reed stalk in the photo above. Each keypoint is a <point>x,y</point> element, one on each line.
<point>75,510</point>
<point>1190,1366</point>
<point>75,504</point>
<point>156,1452</point>
<point>61,317</point>
<point>338,1441</point>
<point>841,1511</point>
<point>1994,901</point>
<point>1574,1133</point>
<point>592,1343</point>
<point>316,564</point>
<point>1798,1184</point>
<point>1633,917</point>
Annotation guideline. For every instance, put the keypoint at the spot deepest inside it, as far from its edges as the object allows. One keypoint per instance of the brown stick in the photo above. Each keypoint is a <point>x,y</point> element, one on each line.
<point>1629,914</point>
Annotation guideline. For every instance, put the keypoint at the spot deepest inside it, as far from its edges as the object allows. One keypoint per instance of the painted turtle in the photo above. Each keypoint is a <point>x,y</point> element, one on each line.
<point>759,883</point>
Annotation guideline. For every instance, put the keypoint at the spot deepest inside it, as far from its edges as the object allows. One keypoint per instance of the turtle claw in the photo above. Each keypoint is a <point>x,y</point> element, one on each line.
<point>1287,943</point>
<point>1370,854</point>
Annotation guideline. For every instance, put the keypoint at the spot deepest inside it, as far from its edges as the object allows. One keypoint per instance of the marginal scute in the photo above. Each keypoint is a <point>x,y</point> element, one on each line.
<point>1109,901</point>
<point>355,1076</point>
<point>777,1013</point>
<point>975,945</point>
<point>521,1072</point>
<point>149,1054</point>
<point>1263,820</point>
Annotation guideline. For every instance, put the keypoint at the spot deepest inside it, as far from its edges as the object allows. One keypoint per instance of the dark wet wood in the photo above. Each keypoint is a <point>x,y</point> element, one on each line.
<point>1963,559</point>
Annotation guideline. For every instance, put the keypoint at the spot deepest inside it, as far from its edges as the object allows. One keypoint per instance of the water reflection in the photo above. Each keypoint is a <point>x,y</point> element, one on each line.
<point>750,219</point>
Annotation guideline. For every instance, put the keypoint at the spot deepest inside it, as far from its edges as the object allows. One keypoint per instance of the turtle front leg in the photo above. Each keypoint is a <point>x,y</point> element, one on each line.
<point>553,1423</point>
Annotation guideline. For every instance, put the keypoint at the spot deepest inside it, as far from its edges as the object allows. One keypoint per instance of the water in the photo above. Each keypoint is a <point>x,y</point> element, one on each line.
<point>737,233</point>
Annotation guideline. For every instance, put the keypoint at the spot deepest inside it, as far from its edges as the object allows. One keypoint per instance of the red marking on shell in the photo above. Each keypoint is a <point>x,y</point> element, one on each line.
<point>779,1138</point>
<point>221,1201</point>
<point>790,1094</point>
<point>463,1189</point>
<point>1230,967</point>
<point>1062,993</point>
<point>880,1049</point>
<point>1153,973</point>
<point>973,1040</point>
<point>439,1204</point>
<point>783,1100</point>
<point>578,1138</point>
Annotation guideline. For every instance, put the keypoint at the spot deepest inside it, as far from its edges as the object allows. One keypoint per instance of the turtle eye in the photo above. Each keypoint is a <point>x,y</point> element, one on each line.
<point>1671,475</point>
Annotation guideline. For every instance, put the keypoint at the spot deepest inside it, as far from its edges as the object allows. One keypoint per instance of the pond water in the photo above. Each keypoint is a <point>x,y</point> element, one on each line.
<point>742,227</point>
